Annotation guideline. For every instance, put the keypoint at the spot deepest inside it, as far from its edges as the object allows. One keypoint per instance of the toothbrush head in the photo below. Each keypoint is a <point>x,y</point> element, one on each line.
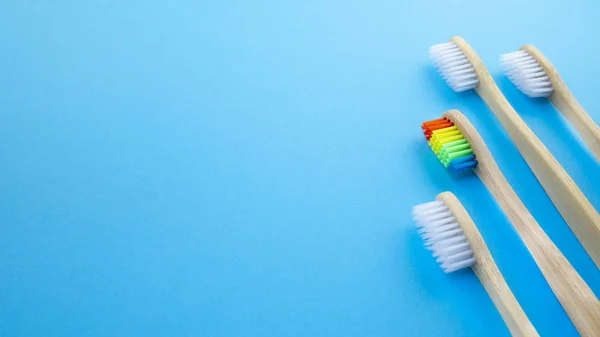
<point>449,144</point>
<point>443,235</point>
<point>454,66</point>
<point>527,74</point>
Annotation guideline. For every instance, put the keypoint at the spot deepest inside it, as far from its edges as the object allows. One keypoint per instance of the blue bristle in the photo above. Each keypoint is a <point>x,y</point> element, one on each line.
<point>459,167</point>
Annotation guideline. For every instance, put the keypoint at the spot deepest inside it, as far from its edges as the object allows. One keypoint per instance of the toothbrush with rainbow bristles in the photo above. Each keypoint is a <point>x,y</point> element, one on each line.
<point>535,76</point>
<point>456,152</point>
<point>461,149</point>
<point>451,235</point>
<point>463,70</point>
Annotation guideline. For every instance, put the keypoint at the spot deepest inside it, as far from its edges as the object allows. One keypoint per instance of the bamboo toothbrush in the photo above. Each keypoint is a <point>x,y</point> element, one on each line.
<point>453,238</point>
<point>535,76</point>
<point>460,148</point>
<point>463,70</point>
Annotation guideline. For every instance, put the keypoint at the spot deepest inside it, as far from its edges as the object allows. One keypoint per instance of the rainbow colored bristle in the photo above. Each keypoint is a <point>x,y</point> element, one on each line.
<point>449,145</point>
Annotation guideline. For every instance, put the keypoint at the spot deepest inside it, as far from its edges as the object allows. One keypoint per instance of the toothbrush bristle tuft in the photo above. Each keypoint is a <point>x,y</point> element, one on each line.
<point>449,144</point>
<point>526,74</point>
<point>443,236</point>
<point>454,66</point>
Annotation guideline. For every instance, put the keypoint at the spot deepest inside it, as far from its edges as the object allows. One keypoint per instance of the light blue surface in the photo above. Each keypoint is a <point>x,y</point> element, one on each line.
<point>238,168</point>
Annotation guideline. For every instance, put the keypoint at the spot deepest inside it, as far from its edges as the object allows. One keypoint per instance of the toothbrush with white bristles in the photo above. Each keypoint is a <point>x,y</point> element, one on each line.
<point>535,76</point>
<point>451,235</point>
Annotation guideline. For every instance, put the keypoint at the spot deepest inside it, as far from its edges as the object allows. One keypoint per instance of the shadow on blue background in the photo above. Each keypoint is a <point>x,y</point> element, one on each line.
<point>232,168</point>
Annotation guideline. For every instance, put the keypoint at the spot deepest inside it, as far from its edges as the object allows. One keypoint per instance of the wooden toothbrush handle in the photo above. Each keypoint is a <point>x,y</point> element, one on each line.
<point>583,123</point>
<point>574,294</point>
<point>566,103</point>
<point>488,273</point>
<point>572,204</point>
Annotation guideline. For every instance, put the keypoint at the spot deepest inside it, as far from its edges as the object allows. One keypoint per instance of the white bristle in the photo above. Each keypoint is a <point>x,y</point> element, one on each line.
<point>454,66</point>
<point>526,74</point>
<point>443,236</point>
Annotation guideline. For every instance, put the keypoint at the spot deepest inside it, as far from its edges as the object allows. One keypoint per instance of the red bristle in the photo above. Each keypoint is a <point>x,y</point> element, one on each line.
<point>432,127</point>
<point>434,121</point>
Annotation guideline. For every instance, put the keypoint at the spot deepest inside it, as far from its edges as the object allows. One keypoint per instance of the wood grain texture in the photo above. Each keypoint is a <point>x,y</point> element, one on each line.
<point>565,102</point>
<point>572,204</point>
<point>488,273</point>
<point>574,294</point>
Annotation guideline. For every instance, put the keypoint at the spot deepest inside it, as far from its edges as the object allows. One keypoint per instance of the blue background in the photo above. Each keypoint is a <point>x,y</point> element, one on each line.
<point>238,168</point>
